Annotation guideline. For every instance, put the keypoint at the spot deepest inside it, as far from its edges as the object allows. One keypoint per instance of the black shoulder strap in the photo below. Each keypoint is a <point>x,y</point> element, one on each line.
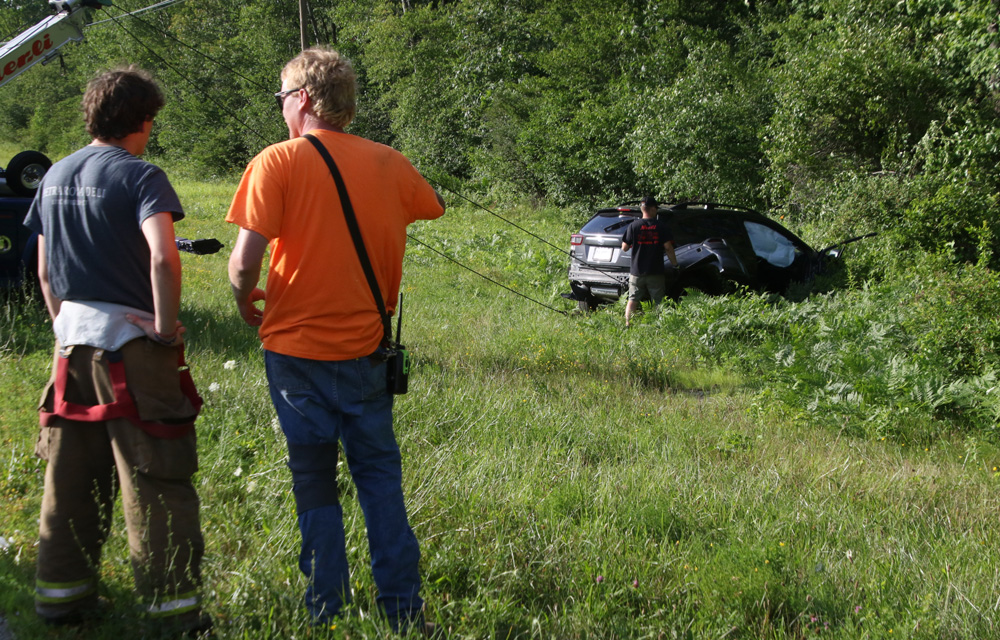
<point>359,243</point>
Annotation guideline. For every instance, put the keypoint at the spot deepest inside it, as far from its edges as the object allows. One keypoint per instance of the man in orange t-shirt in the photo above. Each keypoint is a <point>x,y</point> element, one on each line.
<point>322,331</point>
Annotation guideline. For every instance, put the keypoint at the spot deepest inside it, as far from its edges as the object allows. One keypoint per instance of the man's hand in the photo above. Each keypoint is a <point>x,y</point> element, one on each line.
<point>244,274</point>
<point>149,328</point>
<point>252,315</point>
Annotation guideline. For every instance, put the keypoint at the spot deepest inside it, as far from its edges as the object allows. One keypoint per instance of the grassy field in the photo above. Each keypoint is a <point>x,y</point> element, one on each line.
<point>566,478</point>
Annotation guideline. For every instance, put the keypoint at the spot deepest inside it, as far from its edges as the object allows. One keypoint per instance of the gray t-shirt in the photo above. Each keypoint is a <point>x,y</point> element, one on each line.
<point>90,208</point>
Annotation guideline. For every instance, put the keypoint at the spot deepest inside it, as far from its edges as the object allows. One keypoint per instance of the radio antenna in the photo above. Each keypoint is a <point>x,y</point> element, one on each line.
<point>399,317</point>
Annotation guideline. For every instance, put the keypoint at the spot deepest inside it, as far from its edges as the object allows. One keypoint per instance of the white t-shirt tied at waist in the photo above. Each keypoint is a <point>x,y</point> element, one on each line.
<point>97,324</point>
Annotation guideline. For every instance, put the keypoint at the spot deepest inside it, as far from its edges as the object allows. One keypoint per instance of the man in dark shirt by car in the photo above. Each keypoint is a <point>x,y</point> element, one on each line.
<point>650,238</point>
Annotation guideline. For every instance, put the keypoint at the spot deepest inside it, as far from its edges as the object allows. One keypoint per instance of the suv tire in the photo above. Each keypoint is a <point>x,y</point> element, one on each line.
<point>25,172</point>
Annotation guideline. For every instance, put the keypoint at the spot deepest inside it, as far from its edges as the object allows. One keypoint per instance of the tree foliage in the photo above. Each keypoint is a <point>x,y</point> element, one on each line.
<point>868,115</point>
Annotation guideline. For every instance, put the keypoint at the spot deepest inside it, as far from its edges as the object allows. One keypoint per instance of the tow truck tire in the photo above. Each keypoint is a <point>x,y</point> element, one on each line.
<point>25,172</point>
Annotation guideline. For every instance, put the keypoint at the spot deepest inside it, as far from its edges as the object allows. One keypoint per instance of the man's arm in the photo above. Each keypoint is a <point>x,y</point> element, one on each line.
<point>668,247</point>
<point>627,238</point>
<point>165,274</point>
<point>52,303</point>
<point>244,274</point>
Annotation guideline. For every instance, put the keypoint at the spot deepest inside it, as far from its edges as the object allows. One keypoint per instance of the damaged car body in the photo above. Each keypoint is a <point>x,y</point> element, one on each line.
<point>719,248</point>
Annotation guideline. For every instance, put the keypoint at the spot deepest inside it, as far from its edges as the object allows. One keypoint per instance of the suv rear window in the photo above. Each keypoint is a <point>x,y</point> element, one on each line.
<point>600,222</point>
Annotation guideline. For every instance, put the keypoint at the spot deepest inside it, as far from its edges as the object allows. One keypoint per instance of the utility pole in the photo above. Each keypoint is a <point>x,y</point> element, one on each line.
<point>302,23</point>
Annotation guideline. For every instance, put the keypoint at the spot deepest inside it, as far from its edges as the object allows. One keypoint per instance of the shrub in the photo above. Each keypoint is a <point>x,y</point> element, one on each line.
<point>952,316</point>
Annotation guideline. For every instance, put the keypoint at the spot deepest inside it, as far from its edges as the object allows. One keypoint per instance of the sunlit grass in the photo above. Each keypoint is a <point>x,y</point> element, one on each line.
<point>566,478</point>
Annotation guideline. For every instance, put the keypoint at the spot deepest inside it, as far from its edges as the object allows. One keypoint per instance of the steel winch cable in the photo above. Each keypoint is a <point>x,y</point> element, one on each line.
<point>440,185</point>
<point>484,277</point>
<point>266,141</point>
<point>570,254</point>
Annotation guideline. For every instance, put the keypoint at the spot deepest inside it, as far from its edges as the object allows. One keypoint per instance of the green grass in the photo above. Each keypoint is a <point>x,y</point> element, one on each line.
<point>567,478</point>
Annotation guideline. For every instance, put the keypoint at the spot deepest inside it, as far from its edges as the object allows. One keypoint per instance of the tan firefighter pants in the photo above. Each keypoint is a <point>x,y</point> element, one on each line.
<point>88,463</point>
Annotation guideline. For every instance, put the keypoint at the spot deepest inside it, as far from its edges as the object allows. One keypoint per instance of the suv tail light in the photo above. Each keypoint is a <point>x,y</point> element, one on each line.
<point>576,239</point>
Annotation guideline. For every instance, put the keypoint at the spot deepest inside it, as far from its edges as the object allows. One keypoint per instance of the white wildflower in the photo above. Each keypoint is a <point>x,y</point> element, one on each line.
<point>214,387</point>
<point>230,365</point>
<point>238,472</point>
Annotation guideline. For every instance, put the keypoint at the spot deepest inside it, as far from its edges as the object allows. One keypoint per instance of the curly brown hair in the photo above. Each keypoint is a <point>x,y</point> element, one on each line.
<point>329,79</point>
<point>119,101</point>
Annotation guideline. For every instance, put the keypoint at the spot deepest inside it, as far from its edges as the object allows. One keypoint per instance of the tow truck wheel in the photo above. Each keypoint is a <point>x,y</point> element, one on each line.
<point>25,172</point>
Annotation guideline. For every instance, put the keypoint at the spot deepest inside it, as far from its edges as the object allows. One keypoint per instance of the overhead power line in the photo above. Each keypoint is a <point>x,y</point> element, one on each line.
<point>154,7</point>
<point>225,109</point>
<point>167,34</point>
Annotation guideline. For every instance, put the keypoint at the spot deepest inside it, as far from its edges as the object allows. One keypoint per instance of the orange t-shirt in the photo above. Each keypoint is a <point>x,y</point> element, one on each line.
<point>319,304</point>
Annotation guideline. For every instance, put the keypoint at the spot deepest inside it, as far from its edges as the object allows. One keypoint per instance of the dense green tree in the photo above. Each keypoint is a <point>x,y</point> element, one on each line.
<point>700,138</point>
<point>868,93</point>
<point>412,64</point>
<point>848,93</point>
<point>813,105</point>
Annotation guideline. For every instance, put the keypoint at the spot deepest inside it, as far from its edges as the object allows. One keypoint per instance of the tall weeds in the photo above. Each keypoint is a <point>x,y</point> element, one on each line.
<point>740,467</point>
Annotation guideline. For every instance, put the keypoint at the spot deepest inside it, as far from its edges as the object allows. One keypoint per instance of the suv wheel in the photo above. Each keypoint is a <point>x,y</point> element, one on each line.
<point>25,172</point>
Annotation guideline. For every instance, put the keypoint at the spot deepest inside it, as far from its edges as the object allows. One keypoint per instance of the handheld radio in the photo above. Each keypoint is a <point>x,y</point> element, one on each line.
<point>399,362</point>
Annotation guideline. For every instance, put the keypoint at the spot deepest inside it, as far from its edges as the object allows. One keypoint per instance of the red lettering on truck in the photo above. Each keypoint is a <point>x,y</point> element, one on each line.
<point>38,47</point>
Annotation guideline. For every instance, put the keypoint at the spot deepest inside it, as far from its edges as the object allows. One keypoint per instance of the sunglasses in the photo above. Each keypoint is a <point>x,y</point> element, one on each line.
<point>281,95</point>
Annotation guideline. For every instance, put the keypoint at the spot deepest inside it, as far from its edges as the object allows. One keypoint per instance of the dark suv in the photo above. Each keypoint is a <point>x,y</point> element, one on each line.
<point>717,246</point>
<point>17,243</point>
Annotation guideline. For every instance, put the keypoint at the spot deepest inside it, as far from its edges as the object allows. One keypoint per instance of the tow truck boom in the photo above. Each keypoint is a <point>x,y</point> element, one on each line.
<point>41,42</point>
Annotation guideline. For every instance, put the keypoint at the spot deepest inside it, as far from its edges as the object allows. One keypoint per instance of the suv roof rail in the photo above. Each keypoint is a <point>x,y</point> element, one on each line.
<point>633,205</point>
<point>709,206</point>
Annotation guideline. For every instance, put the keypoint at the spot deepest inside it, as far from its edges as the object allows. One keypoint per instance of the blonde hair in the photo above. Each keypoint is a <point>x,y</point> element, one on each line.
<point>329,79</point>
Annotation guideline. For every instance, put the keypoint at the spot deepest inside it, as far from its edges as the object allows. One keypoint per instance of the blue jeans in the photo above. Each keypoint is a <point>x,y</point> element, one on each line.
<point>318,403</point>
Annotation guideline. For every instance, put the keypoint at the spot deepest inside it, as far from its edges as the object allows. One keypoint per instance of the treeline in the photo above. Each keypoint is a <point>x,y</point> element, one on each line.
<point>867,115</point>
<point>843,117</point>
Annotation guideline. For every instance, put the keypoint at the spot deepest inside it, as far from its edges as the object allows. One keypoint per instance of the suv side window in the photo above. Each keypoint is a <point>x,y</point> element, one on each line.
<point>771,245</point>
<point>697,226</point>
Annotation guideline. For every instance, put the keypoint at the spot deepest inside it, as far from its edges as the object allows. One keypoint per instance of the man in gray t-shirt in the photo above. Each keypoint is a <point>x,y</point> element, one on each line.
<point>92,206</point>
<point>119,402</point>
